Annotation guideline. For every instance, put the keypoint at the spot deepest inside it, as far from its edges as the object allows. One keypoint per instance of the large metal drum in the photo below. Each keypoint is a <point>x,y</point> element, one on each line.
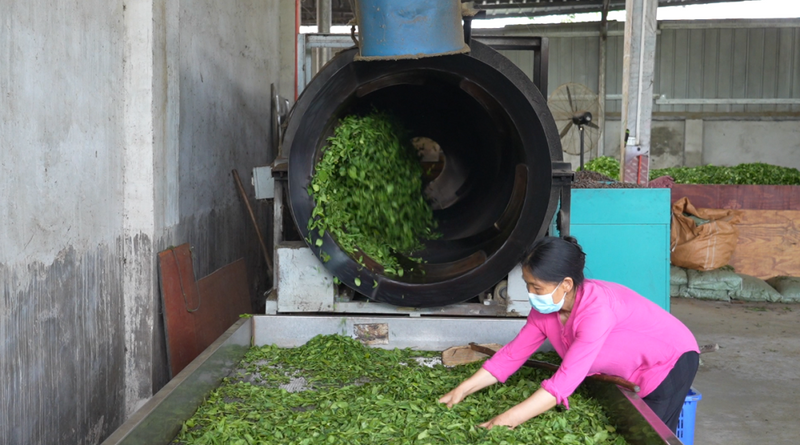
<point>494,193</point>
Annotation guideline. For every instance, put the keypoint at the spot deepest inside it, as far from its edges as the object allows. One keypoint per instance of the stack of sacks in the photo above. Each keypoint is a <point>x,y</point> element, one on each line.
<point>724,284</point>
<point>718,284</point>
<point>788,287</point>
<point>677,281</point>
<point>756,289</point>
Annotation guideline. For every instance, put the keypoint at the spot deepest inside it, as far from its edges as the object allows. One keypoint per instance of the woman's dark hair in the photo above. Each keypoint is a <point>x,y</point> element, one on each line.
<point>552,259</point>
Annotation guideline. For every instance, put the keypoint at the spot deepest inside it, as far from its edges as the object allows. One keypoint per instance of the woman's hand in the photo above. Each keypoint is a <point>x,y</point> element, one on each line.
<point>453,397</point>
<point>508,419</point>
<point>539,402</point>
<point>481,379</point>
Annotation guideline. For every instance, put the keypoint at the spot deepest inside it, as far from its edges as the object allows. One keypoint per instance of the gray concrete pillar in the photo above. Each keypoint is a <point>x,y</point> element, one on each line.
<point>637,88</point>
<point>693,143</point>
<point>141,116</point>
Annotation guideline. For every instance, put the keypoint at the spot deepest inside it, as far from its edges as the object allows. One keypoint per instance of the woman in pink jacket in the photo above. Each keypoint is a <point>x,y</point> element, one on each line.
<point>596,327</point>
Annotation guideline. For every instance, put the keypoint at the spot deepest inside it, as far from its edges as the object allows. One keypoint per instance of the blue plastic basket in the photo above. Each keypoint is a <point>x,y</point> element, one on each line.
<point>686,423</point>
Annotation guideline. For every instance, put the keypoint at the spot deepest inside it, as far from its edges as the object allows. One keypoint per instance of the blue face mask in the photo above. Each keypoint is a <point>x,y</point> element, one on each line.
<point>544,304</point>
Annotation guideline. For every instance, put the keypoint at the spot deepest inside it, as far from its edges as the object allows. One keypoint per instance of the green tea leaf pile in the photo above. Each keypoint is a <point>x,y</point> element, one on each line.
<point>352,394</point>
<point>743,174</point>
<point>368,191</point>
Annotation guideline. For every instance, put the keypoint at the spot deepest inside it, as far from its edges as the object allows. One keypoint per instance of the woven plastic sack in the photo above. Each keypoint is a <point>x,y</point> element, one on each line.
<point>789,288</point>
<point>676,290</point>
<point>705,294</point>
<point>677,276</point>
<point>722,279</point>
<point>755,289</point>
<point>702,239</point>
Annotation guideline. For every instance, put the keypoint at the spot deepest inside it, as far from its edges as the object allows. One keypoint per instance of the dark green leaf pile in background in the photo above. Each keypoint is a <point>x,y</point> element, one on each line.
<point>360,395</point>
<point>368,191</point>
<point>742,174</point>
<point>605,165</point>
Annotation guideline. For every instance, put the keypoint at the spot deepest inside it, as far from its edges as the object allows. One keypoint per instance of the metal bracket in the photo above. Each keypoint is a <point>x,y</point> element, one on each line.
<point>263,182</point>
<point>562,179</point>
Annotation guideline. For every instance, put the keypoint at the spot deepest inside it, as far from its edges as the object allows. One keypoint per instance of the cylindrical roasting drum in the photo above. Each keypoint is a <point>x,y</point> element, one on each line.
<point>494,193</point>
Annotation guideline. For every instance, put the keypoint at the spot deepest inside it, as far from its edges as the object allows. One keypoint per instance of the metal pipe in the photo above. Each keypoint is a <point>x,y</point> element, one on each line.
<point>297,13</point>
<point>324,13</point>
<point>580,128</point>
<point>601,78</point>
<point>687,101</point>
<point>637,138</point>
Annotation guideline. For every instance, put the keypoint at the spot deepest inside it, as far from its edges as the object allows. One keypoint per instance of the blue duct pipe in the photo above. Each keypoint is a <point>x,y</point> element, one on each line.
<point>396,29</point>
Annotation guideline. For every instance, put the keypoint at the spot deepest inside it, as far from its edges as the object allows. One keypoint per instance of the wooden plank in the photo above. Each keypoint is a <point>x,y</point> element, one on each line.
<point>461,355</point>
<point>179,298</point>
<point>769,243</point>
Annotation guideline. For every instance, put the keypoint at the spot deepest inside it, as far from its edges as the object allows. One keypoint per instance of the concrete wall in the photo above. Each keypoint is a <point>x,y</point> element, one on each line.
<point>773,142</point>
<point>693,142</point>
<point>119,126</point>
<point>61,242</point>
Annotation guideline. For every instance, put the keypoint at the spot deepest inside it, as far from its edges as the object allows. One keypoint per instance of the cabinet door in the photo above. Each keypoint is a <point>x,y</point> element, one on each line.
<point>636,256</point>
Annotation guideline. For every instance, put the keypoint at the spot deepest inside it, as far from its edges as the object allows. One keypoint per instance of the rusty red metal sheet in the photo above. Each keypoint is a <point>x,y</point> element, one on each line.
<point>227,296</point>
<point>197,312</point>
<point>180,298</point>
<point>745,197</point>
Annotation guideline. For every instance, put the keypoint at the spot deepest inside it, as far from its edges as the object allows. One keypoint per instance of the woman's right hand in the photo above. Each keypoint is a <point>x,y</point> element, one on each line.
<point>453,397</point>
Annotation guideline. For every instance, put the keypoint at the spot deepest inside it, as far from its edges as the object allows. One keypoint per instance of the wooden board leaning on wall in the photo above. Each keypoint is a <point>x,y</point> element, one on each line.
<point>769,243</point>
<point>769,232</point>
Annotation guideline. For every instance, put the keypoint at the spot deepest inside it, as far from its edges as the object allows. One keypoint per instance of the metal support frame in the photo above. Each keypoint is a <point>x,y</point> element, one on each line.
<point>541,53</point>
<point>160,419</point>
<point>637,89</point>
<point>306,43</point>
<point>562,181</point>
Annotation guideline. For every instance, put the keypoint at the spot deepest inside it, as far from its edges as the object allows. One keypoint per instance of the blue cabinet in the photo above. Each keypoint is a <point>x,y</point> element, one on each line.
<point>625,234</point>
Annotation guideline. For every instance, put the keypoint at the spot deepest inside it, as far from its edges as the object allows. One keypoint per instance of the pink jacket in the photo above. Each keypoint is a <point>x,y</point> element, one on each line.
<point>612,330</point>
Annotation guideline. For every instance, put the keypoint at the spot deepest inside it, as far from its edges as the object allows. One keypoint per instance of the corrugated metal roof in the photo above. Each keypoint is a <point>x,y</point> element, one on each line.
<point>342,13</point>
<point>533,8</point>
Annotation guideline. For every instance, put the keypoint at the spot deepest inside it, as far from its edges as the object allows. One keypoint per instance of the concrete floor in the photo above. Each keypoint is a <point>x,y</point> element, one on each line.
<point>751,386</point>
